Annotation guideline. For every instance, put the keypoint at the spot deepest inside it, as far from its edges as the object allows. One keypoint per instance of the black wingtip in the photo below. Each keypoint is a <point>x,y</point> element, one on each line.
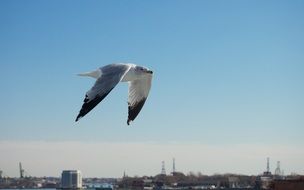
<point>134,110</point>
<point>78,117</point>
<point>88,105</point>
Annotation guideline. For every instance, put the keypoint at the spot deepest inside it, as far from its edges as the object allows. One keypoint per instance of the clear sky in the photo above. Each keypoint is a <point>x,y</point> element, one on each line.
<point>228,76</point>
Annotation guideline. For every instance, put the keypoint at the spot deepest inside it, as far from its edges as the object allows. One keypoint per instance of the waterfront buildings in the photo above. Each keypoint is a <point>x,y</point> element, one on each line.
<point>71,179</point>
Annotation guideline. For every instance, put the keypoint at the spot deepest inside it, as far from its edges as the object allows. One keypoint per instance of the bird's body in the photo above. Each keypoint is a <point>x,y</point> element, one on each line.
<point>107,77</point>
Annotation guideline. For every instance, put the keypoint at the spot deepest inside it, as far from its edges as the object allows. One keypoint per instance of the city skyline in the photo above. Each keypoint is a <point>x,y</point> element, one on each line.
<point>228,76</point>
<point>117,158</point>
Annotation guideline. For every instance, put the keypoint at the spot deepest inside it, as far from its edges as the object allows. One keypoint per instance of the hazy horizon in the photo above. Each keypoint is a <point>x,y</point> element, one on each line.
<point>112,159</point>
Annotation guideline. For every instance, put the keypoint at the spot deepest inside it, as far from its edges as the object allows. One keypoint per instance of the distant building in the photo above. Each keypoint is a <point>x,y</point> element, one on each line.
<point>265,181</point>
<point>71,179</point>
<point>289,184</point>
<point>233,181</point>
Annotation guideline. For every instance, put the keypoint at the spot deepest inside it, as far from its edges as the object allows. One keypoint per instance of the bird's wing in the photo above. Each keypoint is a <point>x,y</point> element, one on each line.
<point>138,93</point>
<point>110,77</point>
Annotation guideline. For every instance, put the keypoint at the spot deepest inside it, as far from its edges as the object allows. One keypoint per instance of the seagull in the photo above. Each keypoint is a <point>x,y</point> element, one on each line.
<point>107,77</point>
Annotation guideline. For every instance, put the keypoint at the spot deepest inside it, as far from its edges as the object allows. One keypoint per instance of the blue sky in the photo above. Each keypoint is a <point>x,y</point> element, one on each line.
<point>225,72</point>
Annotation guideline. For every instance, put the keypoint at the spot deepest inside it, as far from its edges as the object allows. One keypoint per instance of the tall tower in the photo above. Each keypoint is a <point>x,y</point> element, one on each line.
<point>278,169</point>
<point>163,170</point>
<point>268,170</point>
<point>173,167</point>
<point>21,170</point>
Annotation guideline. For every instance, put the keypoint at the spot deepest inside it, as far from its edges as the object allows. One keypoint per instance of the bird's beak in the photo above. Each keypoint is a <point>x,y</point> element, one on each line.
<point>151,72</point>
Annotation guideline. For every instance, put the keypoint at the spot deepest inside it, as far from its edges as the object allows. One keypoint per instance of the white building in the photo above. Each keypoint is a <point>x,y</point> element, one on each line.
<point>71,179</point>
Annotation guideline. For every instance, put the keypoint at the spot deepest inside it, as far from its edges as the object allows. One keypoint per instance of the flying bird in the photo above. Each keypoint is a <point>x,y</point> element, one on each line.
<point>107,77</point>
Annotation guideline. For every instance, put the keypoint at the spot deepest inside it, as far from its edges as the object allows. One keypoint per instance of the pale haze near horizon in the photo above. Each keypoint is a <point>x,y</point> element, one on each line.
<point>97,159</point>
<point>227,88</point>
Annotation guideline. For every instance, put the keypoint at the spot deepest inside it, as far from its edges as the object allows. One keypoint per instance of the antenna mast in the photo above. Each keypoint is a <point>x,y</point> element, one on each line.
<point>268,170</point>
<point>173,169</point>
<point>21,170</point>
<point>163,170</point>
<point>278,169</point>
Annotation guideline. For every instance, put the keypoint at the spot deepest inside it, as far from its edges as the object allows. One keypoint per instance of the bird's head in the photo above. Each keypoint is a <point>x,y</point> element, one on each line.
<point>141,69</point>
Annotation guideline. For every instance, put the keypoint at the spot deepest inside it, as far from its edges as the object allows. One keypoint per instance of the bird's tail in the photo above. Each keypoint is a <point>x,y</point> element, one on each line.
<point>95,74</point>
